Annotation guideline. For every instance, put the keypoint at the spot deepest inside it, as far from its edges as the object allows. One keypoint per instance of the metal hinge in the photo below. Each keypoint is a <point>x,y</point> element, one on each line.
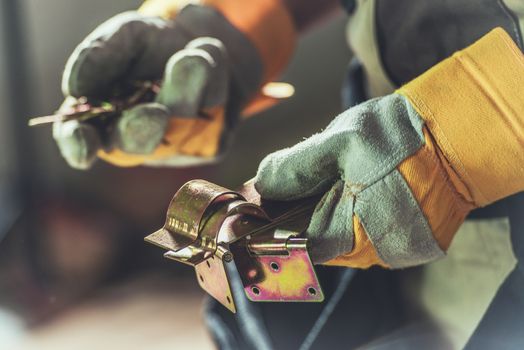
<point>208,226</point>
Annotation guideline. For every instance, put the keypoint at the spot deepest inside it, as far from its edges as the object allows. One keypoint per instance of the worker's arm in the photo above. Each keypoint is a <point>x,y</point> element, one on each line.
<point>212,58</point>
<point>400,173</point>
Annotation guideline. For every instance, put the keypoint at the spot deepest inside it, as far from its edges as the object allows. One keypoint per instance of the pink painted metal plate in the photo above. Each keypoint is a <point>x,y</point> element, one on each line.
<point>290,277</point>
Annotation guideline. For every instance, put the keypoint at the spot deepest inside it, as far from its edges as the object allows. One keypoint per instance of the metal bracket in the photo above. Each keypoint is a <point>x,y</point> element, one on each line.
<point>208,226</point>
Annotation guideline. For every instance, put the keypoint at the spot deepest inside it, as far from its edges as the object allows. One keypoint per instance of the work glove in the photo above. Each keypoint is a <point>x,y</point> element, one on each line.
<point>210,61</point>
<point>401,172</point>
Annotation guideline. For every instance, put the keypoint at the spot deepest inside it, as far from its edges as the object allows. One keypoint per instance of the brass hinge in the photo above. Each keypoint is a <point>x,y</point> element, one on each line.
<point>208,226</point>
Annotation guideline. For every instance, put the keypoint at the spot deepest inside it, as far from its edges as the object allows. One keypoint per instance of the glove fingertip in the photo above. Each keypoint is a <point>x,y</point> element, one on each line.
<point>140,130</point>
<point>269,180</point>
<point>78,143</point>
<point>290,174</point>
<point>186,77</point>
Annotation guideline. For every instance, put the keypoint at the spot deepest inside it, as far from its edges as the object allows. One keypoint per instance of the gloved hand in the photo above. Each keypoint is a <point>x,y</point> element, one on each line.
<point>401,172</point>
<point>209,68</point>
<point>355,162</point>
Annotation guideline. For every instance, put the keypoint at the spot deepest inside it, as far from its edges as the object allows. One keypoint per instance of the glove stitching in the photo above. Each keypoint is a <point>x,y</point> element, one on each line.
<point>363,224</point>
<point>349,218</point>
<point>405,256</point>
<point>460,200</point>
<point>426,258</point>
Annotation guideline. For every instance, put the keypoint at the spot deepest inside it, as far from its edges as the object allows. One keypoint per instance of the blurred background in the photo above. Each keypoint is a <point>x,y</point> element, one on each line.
<point>74,270</point>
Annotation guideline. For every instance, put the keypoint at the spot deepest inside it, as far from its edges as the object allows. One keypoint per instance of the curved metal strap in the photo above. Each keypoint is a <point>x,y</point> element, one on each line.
<point>188,208</point>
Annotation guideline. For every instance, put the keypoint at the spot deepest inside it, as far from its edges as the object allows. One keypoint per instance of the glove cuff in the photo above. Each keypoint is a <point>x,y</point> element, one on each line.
<point>472,105</point>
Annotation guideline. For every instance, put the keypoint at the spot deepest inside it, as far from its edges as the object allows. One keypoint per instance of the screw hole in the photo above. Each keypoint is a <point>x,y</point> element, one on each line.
<point>312,291</point>
<point>208,264</point>
<point>255,290</point>
<point>228,299</point>
<point>201,278</point>
<point>274,266</point>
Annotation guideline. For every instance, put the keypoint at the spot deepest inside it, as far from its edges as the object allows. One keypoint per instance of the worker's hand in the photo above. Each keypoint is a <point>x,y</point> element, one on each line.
<point>200,74</point>
<point>400,173</point>
<point>369,162</point>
